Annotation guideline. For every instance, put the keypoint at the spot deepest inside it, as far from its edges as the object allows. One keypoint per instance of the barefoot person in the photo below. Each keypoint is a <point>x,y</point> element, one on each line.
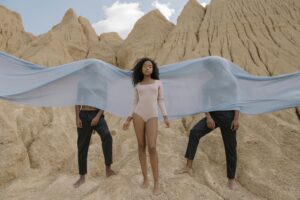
<point>148,93</point>
<point>88,120</point>
<point>229,124</point>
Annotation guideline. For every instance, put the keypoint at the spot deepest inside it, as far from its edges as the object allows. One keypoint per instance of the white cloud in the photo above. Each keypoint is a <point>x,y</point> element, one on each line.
<point>120,18</point>
<point>204,2</point>
<point>165,9</point>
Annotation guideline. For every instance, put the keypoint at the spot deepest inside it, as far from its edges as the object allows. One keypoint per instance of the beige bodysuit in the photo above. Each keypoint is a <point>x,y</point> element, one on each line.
<point>146,98</point>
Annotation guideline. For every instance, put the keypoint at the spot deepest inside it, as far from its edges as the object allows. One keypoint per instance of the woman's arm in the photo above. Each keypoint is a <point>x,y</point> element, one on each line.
<point>135,101</point>
<point>161,100</point>
<point>129,118</point>
<point>161,103</point>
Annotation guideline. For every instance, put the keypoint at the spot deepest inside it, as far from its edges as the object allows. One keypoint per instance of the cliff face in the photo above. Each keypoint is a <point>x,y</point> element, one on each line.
<point>72,39</point>
<point>146,39</point>
<point>261,36</point>
<point>12,34</point>
<point>106,48</point>
<point>181,41</point>
<point>38,145</point>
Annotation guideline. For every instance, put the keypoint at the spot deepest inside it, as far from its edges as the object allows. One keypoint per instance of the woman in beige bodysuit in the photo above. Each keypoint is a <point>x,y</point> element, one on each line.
<point>148,94</point>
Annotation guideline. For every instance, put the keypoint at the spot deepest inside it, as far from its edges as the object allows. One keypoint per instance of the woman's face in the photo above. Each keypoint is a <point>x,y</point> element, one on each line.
<point>147,68</point>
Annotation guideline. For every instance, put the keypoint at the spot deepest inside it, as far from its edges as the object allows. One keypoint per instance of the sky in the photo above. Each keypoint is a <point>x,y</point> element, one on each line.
<point>119,16</point>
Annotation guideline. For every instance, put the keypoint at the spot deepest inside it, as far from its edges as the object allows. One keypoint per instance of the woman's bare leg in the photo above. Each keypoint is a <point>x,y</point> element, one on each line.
<point>139,127</point>
<point>151,134</point>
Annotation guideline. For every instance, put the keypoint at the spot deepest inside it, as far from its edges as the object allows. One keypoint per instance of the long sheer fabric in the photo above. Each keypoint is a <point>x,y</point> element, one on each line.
<point>190,87</point>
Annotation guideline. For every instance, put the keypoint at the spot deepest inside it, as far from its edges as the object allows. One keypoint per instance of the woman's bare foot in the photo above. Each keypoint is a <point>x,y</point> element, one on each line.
<point>231,184</point>
<point>184,170</point>
<point>79,182</point>
<point>110,172</point>
<point>145,184</point>
<point>156,189</point>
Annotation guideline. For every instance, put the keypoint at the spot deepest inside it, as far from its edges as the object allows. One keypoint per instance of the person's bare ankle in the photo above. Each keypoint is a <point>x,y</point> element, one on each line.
<point>186,169</point>
<point>145,184</point>
<point>156,189</point>
<point>232,184</point>
<point>79,182</point>
<point>110,172</point>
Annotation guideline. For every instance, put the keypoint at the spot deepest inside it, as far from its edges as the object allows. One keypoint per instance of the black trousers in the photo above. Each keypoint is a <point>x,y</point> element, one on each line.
<point>223,119</point>
<point>84,137</point>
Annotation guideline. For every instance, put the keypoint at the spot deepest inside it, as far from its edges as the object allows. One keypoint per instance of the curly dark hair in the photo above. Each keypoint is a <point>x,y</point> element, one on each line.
<point>138,76</point>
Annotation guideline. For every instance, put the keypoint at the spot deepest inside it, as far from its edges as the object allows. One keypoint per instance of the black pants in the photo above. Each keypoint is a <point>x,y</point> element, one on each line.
<point>223,119</point>
<point>84,137</point>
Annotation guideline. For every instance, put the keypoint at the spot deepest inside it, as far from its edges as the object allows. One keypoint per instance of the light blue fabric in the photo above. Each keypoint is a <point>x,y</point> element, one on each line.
<point>193,86</point>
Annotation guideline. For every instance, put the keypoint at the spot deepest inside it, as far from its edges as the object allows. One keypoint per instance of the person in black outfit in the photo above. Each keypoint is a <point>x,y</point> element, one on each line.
<point>88,120</point>
<point>229,124</point>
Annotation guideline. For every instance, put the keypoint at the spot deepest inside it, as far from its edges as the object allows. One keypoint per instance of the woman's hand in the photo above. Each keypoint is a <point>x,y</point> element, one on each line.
<point>127,123</point>
<point>166,121</point>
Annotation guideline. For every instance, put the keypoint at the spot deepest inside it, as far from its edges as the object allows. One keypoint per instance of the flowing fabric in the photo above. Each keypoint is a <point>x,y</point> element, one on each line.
<point>193,86</point>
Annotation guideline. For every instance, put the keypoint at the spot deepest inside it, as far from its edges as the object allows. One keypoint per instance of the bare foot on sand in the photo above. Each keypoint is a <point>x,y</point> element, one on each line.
<point>110,172</point>
<point>231,184</point>
<point>145,184</point>
<point>79,182</point>
<point>156,189</point>
<point>185,170</point>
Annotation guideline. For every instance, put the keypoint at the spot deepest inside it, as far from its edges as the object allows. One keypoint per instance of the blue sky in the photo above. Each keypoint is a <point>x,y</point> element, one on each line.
<point>40,16</point>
